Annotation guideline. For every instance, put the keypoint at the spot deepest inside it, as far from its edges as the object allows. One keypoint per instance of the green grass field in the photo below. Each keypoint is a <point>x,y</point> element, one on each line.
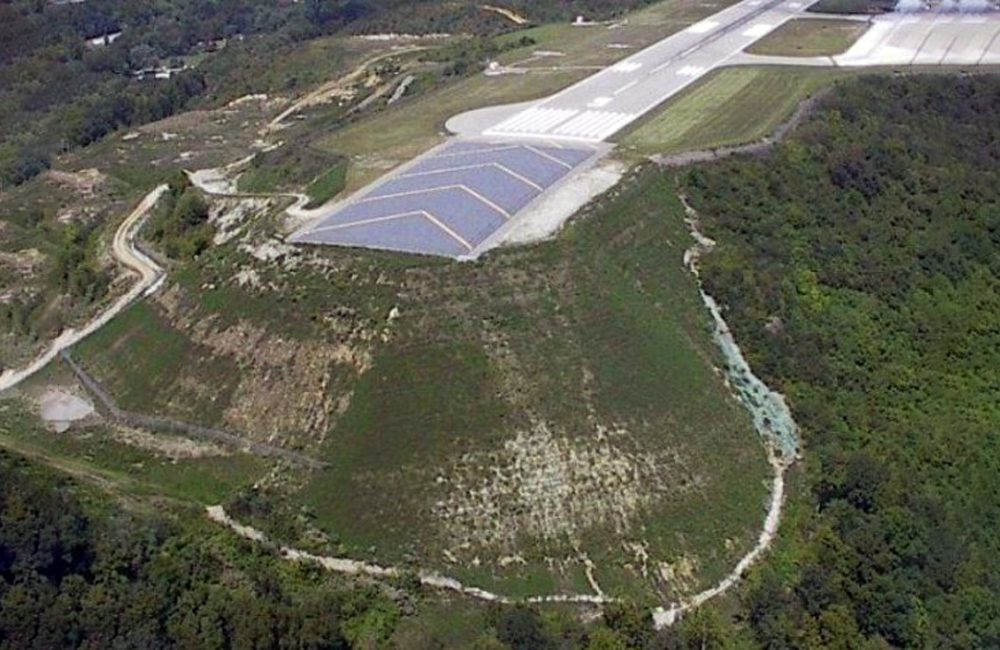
<point>93,454</point>
<point>810,37</point>
<point>328,185</point>
<point>732,106</point>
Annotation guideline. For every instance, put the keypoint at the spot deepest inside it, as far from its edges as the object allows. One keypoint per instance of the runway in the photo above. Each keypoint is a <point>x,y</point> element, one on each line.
<point>601,105</point>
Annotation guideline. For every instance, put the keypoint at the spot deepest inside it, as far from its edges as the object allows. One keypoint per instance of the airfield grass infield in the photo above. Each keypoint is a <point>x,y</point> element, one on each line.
<point>731,106</point>
<point>810,37</point>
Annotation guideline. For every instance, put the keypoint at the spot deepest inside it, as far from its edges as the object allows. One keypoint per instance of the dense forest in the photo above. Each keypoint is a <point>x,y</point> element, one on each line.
<point>59,90</point>
<point>859,265</point>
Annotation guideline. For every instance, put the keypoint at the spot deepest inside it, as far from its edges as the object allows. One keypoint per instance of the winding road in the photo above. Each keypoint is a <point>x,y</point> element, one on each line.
<point>124,250</point>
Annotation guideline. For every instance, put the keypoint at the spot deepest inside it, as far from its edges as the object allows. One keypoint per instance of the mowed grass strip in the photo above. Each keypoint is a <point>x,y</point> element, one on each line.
<point>810,37</point>
<point>327,185</point>
<point>731,107</point>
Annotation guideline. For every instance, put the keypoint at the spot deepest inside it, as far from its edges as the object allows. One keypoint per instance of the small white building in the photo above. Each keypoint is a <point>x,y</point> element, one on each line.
<point>104,41</point>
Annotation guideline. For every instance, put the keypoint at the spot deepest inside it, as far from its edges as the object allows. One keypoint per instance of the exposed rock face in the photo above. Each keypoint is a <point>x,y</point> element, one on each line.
<point>546,486</point>
<point>288,387</point>
<point>25,263</point>
<point>86,182</point>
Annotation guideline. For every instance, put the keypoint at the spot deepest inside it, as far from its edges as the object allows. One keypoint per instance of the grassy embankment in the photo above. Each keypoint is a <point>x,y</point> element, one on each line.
<point>96,453</point>
<point>612,303</point>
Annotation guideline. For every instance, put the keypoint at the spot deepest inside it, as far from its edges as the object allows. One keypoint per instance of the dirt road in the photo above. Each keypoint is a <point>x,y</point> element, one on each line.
<point>328,90</point>
<point>125,252</point>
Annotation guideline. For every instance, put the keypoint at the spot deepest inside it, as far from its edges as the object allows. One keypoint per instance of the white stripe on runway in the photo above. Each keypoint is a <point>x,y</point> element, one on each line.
<point>626,87</point>
<point>365,222</point>
<point>462,168</point>
<point>580,124</point>
<point>702,27</point>
<point>626,66</point>
<point>690,71</point>
<point>594,125</point>
<point>443,188</point>
<point>437,222</point>
<point>533,120</point>
<point>539,152</point>
<point>758,30</point>
<point>472,152</point>
<point>613,126</point>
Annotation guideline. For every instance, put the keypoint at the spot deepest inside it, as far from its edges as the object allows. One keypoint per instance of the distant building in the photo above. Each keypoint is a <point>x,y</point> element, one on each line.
<point>105,40</point>
<point>158,73</point>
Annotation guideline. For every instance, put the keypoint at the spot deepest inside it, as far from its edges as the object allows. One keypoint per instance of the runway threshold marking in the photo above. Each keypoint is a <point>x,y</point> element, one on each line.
<point>989,47</point>
<point>916,53</point>
<point>533,119</point>
<point>595,124</point>
<point>582,124</point>
<point>947,50</point>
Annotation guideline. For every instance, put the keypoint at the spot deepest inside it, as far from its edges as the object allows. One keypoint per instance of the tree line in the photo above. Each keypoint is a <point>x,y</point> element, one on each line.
<point>858,265</point>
